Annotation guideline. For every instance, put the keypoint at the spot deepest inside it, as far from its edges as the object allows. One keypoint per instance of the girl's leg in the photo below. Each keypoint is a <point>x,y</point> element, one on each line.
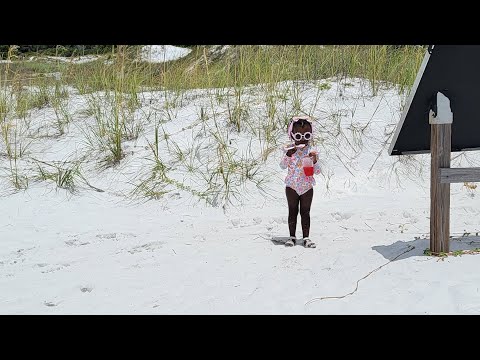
<point>305,204</point>
<point>293,201</point>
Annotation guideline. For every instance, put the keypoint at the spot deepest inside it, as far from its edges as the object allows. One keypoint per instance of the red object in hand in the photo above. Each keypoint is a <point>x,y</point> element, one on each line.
<point>307,163</point>
<point>308,170</point>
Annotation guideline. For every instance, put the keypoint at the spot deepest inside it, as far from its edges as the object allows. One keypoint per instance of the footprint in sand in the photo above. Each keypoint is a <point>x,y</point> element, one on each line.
<point>20,253</point>
<point>54,268</point>
<point>85,289</point>
<point>112,236</point>
<point>244,222</point>
<point>49,304</point>
<point>236,222</point>
<point>75,242</point>
<point>257,220</point>
<point>115,236</point>
<point>341,216</point>
<point>14,262</point>
<point>151,246</point>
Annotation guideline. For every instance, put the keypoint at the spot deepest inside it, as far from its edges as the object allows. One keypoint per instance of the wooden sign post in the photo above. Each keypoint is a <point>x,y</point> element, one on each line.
<point>440,145</point>
<point>448,75</point>
<point>442,175</point>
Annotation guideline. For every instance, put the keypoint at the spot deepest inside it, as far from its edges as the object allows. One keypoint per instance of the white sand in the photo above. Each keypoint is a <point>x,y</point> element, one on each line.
<point>75,59</point>
<point>98,253</point>
<point>162,53</point>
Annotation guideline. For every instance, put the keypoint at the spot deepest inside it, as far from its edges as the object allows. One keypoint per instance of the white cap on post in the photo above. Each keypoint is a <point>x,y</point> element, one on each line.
<point>444,112</point>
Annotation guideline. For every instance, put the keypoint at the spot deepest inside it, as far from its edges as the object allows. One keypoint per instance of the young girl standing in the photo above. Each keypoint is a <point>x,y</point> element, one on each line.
<point>300,181</point>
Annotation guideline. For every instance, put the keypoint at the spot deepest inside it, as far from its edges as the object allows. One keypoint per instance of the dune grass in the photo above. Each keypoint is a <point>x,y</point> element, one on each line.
<point>232,79</point>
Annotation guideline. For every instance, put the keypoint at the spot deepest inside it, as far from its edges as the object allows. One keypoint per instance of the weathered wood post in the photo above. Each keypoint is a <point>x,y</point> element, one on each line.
<point>440,148</point>
<point>449,74</point>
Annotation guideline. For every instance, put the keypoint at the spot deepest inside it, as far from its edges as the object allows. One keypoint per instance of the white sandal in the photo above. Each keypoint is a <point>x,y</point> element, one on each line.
<point>308,243</point>
<point>291,241</point>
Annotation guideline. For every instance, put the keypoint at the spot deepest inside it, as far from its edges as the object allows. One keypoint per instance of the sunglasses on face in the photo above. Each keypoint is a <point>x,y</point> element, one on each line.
<point>299,136</point>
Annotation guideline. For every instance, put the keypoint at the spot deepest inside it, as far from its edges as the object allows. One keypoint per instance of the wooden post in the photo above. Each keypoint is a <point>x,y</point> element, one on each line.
<point>440,193</point>
<point>459,175</point>
<point>440,148</point>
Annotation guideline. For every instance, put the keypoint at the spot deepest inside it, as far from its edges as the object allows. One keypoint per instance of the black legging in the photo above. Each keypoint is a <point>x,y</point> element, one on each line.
<point>305,201</point>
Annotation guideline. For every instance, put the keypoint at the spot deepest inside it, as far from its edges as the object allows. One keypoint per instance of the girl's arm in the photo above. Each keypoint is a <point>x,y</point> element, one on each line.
<point>287,157</point>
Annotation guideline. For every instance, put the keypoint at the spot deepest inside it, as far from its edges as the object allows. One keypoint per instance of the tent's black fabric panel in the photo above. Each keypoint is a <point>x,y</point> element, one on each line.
<point>455,68</point>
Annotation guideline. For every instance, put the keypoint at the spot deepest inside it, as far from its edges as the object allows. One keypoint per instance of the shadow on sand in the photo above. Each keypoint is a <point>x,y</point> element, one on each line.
<point>279,240</point>
<point>456,244</point>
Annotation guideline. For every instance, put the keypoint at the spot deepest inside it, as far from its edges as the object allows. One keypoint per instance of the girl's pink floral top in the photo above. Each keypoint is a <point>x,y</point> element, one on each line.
<point>296,178</point>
